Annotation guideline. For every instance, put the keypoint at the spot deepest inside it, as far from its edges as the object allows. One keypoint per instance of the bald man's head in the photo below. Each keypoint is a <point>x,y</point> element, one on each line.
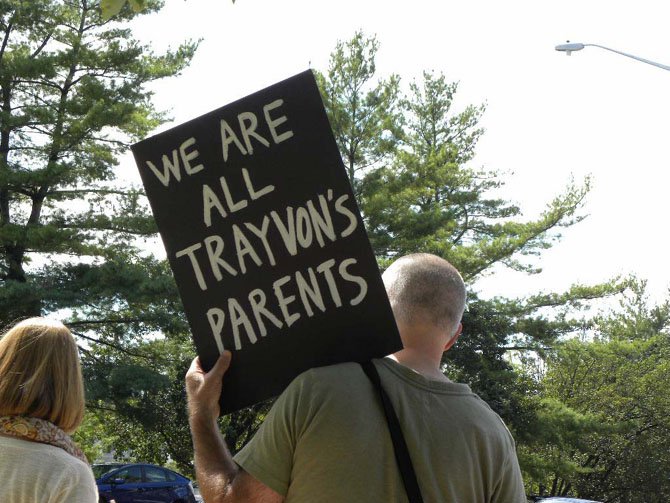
<point>424,288</point>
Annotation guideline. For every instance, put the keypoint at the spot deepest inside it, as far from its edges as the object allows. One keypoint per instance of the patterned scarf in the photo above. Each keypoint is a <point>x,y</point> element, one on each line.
<point>39,430</point>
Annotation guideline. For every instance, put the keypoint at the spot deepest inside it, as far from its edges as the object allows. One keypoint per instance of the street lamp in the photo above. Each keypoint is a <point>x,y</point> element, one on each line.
<point>568,48</point>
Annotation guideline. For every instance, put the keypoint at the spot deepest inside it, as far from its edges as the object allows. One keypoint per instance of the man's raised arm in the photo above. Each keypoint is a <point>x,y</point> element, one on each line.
<point>219,477</point>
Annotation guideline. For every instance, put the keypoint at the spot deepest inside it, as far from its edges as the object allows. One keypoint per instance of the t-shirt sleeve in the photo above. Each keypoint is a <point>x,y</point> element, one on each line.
<point>268,457</point>
<point>510,488</point>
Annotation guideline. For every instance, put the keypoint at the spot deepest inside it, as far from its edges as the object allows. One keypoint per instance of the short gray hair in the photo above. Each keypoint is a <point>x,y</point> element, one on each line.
<point>425,287</point>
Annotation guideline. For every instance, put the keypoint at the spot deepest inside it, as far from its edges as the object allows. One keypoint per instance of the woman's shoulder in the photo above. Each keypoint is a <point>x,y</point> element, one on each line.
<point>43,455</point>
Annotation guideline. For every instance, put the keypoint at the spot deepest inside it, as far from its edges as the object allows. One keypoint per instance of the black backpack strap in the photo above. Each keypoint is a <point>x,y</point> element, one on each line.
<point>399,446</point>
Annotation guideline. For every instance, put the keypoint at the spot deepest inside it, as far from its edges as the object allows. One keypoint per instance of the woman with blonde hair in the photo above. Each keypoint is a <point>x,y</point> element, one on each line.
<point>41,403</point>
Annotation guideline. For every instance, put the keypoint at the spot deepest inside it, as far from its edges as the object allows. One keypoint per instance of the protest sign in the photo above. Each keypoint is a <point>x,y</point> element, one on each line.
<point>265,240</point>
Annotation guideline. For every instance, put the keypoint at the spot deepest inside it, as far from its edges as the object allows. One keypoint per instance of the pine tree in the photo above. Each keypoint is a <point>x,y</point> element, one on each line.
<point>430,198</point>
<point>73,95</point>
<point>424,195</point>
<point>363,113</point>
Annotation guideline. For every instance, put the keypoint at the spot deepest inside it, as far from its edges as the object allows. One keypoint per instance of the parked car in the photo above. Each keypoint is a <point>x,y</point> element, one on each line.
<point>99,469</point>
<point>198,496</point>
<point>141,482</point>
<point>557,499</point>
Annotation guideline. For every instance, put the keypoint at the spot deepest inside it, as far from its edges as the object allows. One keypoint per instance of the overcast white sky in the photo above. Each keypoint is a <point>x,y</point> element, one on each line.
<point>549,116</point>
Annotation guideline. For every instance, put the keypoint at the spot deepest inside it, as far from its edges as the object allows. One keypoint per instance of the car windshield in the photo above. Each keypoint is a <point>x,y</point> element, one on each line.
<point>566,500</point>
<point>101,469</point>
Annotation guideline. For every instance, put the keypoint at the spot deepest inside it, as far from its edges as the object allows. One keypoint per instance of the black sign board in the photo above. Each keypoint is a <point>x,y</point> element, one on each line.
<point>265,240</point>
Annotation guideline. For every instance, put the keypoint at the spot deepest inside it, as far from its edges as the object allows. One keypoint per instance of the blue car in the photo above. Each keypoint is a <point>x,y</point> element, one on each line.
<point>555,499</point>
<point>141,483</point>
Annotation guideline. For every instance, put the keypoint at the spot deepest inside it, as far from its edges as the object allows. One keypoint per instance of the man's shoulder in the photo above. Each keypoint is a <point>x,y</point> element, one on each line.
<point>331,373</point>
<point>330,379</point>
<point>331,384</point>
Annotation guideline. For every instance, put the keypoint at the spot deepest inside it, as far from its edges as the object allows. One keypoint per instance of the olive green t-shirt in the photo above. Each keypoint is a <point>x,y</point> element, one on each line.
<point>326,440</point>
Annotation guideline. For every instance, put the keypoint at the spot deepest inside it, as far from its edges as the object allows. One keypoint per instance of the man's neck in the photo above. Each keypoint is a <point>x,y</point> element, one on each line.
<point>427,366</point>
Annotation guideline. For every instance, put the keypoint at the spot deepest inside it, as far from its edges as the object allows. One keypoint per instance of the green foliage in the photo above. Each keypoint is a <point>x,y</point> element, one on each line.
<point>618,385</point>
<point>89,437</point>
<point>73,95</point>
<point>430,199</point>
<point>499,331</point>
<point>139,401</point>
<point>363,114</point>
<point>479,360</point>
<point>419,192</point>
<point>138,404</point>
<point>239,427</point>
<point>551,447</point>
<point>409,159</point>
<point>111,8</point>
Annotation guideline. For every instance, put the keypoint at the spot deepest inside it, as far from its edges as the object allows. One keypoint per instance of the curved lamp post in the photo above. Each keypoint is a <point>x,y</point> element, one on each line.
<point>569,48</point>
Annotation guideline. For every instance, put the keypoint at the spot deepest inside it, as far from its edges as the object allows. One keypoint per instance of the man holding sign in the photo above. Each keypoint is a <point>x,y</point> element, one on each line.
<point>326,437</point>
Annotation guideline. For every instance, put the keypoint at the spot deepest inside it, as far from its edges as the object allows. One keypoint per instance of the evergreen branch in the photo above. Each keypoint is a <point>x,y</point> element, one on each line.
<point>119,348</point>
<point>95,406</point>
<point>577,292</point>
<point>104,321</point>
<point>133,232</point>
<point>5,40</point>
<point>119,143</point>
<point>100,71</point>
<point>75,141</point>
<point>41,47</point>
<point>29,106</point>
<point>88,353</point>
<point>40,130</point>
<point>32,125</point>
<point>38,97</point>
<point>526,348</point>
<point>466,228</point>
<point>89,191</point>
<point>46,83</point>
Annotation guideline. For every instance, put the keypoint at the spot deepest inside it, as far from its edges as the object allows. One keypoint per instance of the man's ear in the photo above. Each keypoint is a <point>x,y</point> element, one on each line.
<point>454,337</point>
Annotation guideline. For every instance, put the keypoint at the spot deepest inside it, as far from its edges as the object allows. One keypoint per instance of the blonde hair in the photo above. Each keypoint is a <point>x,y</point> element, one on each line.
<point>40,373</point>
